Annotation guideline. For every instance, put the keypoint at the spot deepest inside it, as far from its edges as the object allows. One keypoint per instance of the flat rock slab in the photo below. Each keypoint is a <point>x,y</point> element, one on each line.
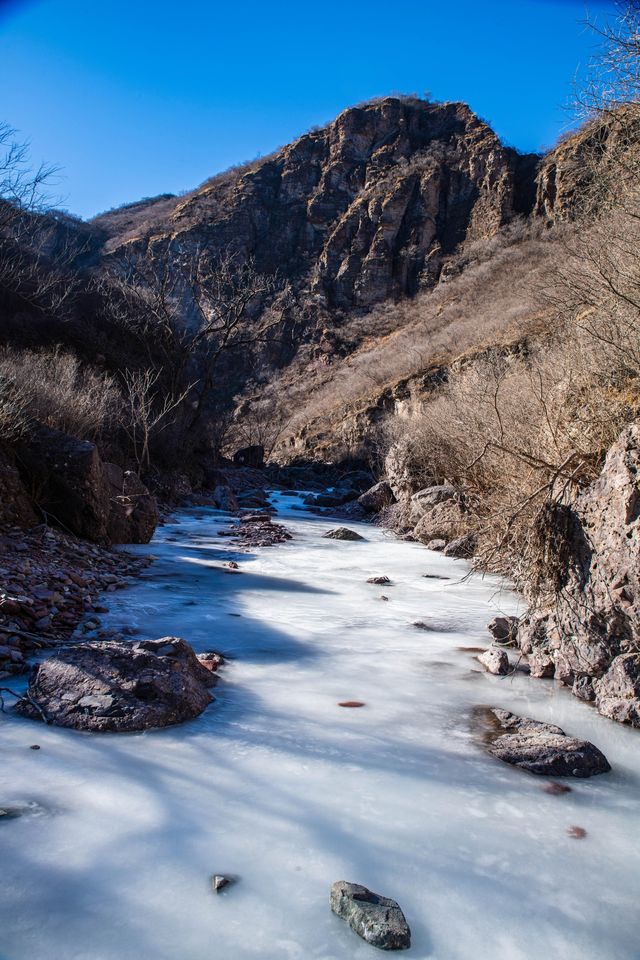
<point>119,687</point>
<point>540,748</point>
<point>342,533</point>
<point>378,920</point>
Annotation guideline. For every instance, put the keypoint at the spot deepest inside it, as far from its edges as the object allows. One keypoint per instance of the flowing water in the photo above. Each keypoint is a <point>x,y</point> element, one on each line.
<point>281,787</point>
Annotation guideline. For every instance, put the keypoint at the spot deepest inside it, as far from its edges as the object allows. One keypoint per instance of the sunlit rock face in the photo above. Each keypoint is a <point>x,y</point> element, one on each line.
<point>360,210</point>
<point>588,636</point>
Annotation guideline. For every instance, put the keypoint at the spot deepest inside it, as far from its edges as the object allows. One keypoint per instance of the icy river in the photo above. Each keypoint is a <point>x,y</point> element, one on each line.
<point>280,786</point>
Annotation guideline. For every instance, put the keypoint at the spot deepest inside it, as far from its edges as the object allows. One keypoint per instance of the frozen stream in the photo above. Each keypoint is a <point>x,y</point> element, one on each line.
<point>279,785</point>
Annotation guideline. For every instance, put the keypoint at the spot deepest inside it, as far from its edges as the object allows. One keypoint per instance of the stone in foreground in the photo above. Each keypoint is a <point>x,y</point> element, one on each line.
<point>618,692</point>
<point>376,919</point>
<point>342,533</point>
<point>540,748</point>
<point>119,687</point>
<point>495,661</point>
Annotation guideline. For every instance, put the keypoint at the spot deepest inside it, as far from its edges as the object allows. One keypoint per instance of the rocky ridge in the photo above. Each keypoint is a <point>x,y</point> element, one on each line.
<point>363,209</point>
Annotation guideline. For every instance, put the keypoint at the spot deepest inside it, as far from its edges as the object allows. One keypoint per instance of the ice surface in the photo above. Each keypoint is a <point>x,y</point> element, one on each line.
<point>279,786</point>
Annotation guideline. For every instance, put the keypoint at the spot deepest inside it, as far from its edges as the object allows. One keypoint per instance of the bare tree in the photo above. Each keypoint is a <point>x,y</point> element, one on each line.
<point>146,412</point>
<point>188,309</point>
<point>22,187</point>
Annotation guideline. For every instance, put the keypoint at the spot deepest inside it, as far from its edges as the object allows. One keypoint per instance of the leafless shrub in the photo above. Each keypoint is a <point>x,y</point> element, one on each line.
<point>14,411</point>
<point>55,389</point>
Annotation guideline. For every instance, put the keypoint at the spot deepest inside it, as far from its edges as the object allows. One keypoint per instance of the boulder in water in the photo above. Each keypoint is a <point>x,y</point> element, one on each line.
<point>495,661</point>
<point>342,533</point>
<point>376,919</point>
<point>541,748</point>
<point>119,687</point>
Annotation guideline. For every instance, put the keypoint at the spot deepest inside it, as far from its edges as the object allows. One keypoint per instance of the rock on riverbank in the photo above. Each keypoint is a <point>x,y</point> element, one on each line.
<point>119,687</point>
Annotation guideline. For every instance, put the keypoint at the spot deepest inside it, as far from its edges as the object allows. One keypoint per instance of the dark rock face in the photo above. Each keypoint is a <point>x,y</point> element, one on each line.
<point>119,687</point>
<point>69,479</point>
<point>540,748</point>
<point>378,920</point>
<point>250,457</point>
<point>342,533</point>
<point>16,507</point>
<point>133,512</point>
<point>593,619</point>
<point>83,495</point>
<point>224,498</point>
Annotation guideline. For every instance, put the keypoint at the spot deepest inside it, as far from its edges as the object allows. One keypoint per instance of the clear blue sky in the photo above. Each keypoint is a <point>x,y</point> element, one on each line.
<point>133,98</point>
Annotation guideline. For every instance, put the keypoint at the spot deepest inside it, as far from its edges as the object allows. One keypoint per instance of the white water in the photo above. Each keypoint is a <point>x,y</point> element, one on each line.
<point>279,785</point>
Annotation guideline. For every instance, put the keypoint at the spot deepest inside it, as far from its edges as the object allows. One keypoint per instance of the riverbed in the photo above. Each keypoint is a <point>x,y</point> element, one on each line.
<point>282,788</point>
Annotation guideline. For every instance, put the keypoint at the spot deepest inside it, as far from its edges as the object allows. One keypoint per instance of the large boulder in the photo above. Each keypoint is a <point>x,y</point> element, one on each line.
<point>444,521</point>
<point>423,501</point>
<point>68,481</point>
<point>592,617</point>
<point>119,687</point>
<point>376,498</point>
<point>250,457</point>
<point>16,507</point>
<point>78,492</point>
<point>540,748</point>
<point>378,920</point>
<point>133,511</point>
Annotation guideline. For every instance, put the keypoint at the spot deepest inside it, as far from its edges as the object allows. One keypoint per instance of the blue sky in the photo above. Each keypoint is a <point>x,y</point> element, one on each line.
<point>134,98</point>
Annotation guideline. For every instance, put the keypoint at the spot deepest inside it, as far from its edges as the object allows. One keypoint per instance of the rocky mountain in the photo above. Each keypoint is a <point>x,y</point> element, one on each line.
<point>364,209</point>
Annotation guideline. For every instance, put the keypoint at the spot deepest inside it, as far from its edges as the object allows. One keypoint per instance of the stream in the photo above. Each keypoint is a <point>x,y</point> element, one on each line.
<point>278,785</point>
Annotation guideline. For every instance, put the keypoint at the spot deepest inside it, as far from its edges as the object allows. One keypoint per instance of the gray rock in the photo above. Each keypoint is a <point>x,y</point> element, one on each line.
<point>540,748</point>
<point>376,919</point>
<point>462,548</point>
<point>438,544</point>
<point>617,694</point>
<point>495,661</point>
<point>119,687</point>
<point>444,521</point>
<point>381,581</point>
<point>376,498</point>
<point>342,533</point>
<point>220,881</point>
<point>427,498</point>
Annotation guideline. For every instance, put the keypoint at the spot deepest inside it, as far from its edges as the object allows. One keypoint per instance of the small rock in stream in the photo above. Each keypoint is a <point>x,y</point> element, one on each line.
<point>351,703</point>
<point>378,920</point>
<point>578,833</point>
<point>495,661</point>
<point>556,789</point>
<point>379,580</point>
<point>219,881</point>
<point>342,533</point>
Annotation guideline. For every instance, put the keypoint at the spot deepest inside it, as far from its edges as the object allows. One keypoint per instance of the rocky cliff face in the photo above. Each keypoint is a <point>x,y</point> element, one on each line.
<point>364,209</point>
<point>588,635</point>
